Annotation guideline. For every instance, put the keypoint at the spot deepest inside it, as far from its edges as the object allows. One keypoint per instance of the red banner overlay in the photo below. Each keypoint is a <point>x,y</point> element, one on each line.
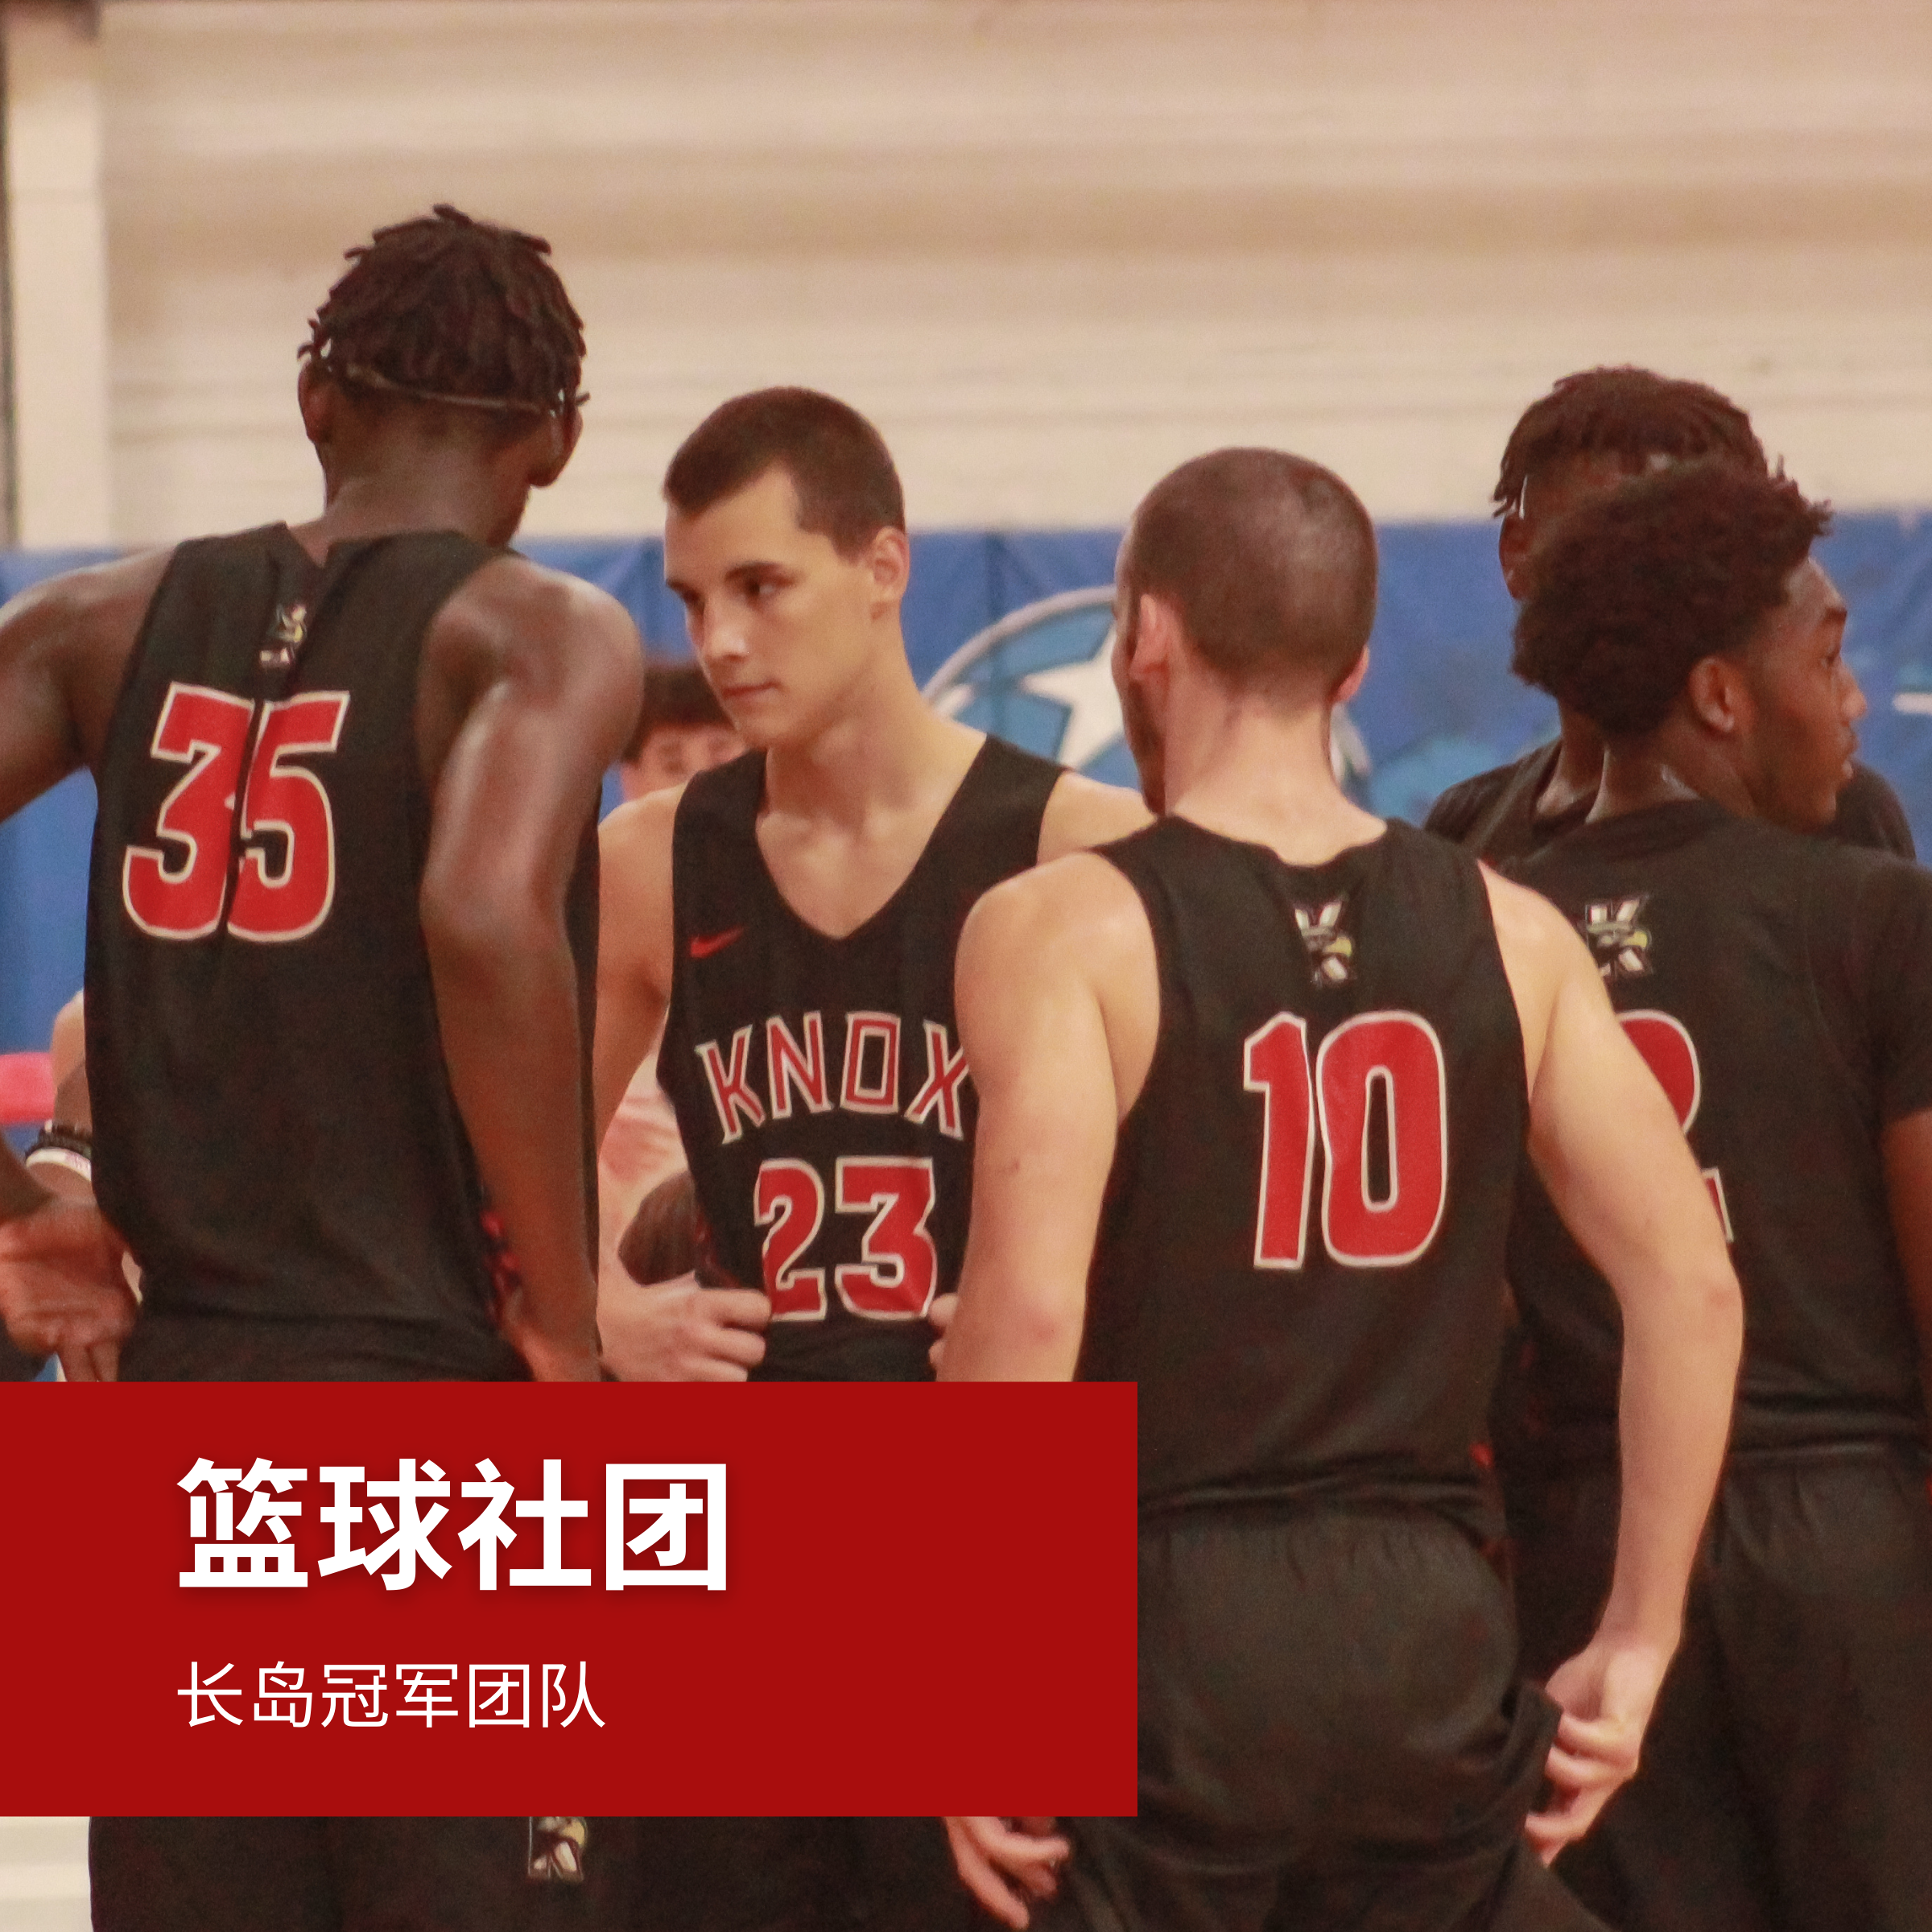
<point>443,1598</point>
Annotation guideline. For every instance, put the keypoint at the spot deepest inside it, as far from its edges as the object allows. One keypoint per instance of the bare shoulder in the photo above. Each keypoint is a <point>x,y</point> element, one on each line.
<point>1528,927</point>
<point>1082,812</point>
<point>1046,956</point>
<point>1077,909</point>
<point>112,595</point>
<point>635,841</point>
<point>64,647</point>
<point>512,603</point>
<point>1544,958</point>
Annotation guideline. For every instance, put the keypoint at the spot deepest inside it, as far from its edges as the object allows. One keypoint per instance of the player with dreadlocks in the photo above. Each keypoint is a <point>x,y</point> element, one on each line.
<point>1593,432</point>
<point>339,959</point>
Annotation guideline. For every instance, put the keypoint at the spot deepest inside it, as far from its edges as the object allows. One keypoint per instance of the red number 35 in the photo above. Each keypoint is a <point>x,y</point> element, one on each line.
<point>176,890</point>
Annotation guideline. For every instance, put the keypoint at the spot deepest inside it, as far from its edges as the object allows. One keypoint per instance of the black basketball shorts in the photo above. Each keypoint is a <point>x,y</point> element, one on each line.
<point>1787,1778</point>
<point>346,1875</point>
<point>799,1874</point>
<point>1331,1733</point>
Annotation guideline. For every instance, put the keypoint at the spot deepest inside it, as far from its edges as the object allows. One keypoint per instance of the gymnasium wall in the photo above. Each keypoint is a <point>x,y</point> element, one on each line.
<point>1053,246</point>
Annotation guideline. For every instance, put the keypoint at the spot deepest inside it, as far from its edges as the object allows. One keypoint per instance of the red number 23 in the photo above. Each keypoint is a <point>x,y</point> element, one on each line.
<point>898,1268</point>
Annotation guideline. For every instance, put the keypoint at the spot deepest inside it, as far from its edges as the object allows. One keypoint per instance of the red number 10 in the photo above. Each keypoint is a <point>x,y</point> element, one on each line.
<point>1394,1057</point>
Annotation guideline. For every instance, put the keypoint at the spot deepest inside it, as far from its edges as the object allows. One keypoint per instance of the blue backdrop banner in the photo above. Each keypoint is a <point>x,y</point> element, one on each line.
<point>1439,702</point>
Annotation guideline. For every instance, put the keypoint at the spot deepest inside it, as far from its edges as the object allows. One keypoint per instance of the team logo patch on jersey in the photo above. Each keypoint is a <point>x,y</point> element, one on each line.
<point>1041,678</point>
<point>286,636</point>
<point>1330,951</point>
<point>1620,945</point>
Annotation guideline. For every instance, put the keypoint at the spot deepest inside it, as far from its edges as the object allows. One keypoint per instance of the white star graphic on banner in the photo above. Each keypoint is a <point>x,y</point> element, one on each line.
<point>1086,688</point>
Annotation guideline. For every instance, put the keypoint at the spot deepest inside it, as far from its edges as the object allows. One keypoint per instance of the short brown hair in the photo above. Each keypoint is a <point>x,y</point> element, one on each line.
<point>1269,560</point>
<point>840,469</point>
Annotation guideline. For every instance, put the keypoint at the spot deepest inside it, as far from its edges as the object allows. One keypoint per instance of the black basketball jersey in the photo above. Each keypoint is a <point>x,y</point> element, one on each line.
<point>1494,815</point>
<point>1781,987</point>
<point>1301,1250</point>
<point>819,1085</point>
<point>275,1133</point>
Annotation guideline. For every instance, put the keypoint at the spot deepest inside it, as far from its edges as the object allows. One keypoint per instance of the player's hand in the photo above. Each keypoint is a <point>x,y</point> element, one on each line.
<point>1005,1861</point>
<point>1607,1692</point>
<point>680,1332</point>
<point>939,1318</point>
<point>61,1289</point>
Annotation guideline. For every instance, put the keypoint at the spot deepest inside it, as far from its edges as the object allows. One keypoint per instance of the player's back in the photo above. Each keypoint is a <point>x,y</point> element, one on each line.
<point>820,1086</point>
<point>276,1134</point>
<point>1300,1255</point>
<point>1772,982</point>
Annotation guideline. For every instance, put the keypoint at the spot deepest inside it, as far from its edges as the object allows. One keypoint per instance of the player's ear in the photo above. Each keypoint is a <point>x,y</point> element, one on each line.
<point>889,559</point>
<point>1513,552</point>
<point>1351,682</point>
<point>1715,691</point>
<point>1156,636</point>
<point>558,442</point>
<point>318,399</point>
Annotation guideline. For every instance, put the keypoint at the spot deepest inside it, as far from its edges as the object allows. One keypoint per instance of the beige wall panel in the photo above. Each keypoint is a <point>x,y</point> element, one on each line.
<point>1054,246</point>
<point>63,453</point>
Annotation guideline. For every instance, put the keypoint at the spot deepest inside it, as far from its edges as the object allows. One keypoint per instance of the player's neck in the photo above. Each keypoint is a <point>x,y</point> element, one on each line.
<point>1579,766</point>
<point>1669,768</point>
<point>1250,771</point>
<point>886,751</point>
<point>387,499</point>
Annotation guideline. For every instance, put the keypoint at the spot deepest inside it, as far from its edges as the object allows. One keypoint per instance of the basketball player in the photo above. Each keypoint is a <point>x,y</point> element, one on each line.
<point>339,953</point>
<point>796,912</point>
<point>1164,1034</point>
<point>1782,991</point>
<point>1593,431</point>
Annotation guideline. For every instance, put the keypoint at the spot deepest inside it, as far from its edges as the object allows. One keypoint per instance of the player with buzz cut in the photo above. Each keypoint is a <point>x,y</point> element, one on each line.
<point>340,928</point>
<point>1255,1084</point>
<point>1593,431</point>
<point>789,922</point>
<point>1781,989</point>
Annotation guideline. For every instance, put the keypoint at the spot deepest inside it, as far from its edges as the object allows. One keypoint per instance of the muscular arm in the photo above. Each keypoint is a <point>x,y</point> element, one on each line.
<point>1606,1145</point>
<point>633,944</point>
<point>64,647</point>
<point>672,1330</point>
<point>543,676</point>
<point>1058,1001</point>
<point>1906,1145</point>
